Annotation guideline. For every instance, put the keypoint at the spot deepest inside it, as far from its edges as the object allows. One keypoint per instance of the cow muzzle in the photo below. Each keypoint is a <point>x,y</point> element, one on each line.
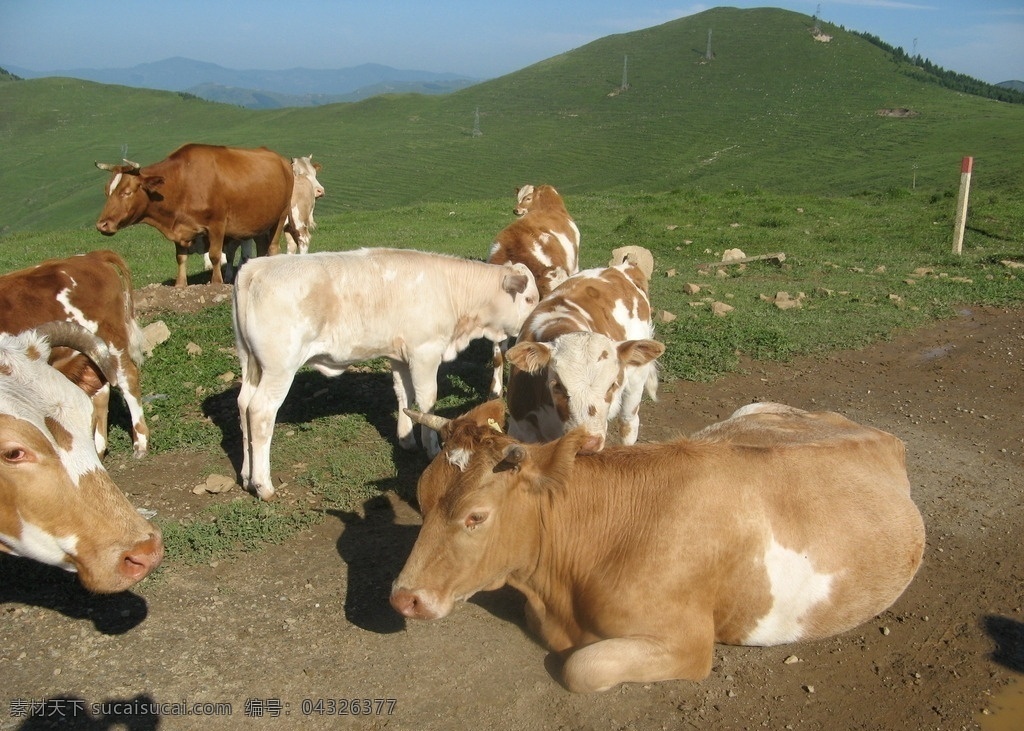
<point>419,604</point>
<point>106,227</point>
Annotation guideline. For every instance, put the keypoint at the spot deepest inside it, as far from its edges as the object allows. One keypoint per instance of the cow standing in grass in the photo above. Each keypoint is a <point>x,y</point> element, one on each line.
<point>220,193</point>
<point>330,310</point>
<point>546,239</point>
<point>585,357</point>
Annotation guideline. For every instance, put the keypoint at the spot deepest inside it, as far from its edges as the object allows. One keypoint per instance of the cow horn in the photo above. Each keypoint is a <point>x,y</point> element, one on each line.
<point>435,422</point>
<point>105,165</point>
<point>129,163</point>
<point>63,334</point>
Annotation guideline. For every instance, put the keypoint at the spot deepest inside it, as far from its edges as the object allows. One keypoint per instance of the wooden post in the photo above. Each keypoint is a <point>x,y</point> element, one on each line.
<point>961,204</point>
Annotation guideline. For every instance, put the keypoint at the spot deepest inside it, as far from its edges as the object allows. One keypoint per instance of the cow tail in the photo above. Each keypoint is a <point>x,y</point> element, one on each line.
<point>651,385</point>
<point>136,340</point>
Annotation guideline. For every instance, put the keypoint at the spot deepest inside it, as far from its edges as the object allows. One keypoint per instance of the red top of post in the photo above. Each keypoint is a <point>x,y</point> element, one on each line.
<point>967,164</point>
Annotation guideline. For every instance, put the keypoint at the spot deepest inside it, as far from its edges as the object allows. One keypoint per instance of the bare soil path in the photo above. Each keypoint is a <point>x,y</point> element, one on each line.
<point>290,635</point>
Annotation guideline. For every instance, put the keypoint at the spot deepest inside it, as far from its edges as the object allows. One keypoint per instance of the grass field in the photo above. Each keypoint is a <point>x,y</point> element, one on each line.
<point>774,146</point>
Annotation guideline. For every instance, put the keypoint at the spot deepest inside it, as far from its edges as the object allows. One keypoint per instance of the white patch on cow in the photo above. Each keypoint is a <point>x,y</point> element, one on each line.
<point>569,246</point>
<point>75,314</point>
<point>539,253</point>
<point>37,544</point>
<point>796,589</point>
<point>113,184</point>
<point>460,458</point>
<point>390,275</point>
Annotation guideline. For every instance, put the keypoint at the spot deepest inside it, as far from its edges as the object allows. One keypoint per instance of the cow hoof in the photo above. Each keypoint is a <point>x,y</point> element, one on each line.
<point>265,493</point>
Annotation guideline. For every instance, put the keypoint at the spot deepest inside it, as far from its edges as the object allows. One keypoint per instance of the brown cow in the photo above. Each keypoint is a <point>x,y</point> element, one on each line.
<point>57,503</point>
<point>95,291</point>
<point>774,526</point>
<point>545,239</point>
<point>220,192</point>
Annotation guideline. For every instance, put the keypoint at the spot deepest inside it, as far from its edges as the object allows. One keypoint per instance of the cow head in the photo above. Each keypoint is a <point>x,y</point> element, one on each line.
<point>128,195</point>
<point>480,499</point>
<point>531,197</point>
<point>584,373</point>
<point>305,167</point>
<point>57,503</point>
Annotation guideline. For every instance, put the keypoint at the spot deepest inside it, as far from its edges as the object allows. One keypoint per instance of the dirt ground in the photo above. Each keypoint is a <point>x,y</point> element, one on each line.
<point>291,636</point>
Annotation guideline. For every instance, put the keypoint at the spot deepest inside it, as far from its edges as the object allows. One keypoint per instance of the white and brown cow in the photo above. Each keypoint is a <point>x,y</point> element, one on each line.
<point>300,224</point>
<point>774,526</point>
<point>585,357</point>
<point>546,239</point>
<point>57,503</point>
<point>95,291</point>
<point>332,309</point>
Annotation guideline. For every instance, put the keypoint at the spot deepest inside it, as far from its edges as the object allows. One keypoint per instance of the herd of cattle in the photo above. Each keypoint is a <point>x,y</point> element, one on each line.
<point>775,525</point>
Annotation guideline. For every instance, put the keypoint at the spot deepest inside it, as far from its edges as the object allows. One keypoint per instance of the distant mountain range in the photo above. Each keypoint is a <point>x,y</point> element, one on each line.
<point>255,89</point>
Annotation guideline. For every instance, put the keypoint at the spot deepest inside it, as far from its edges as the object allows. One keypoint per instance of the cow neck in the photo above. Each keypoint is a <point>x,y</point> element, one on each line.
<point>585,523</point>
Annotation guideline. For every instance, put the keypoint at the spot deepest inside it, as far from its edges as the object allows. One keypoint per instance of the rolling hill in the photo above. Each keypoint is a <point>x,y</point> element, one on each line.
<point>773,109</point>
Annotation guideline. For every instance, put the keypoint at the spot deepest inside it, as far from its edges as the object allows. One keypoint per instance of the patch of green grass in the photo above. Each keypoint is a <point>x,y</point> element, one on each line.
<point>243,525</point>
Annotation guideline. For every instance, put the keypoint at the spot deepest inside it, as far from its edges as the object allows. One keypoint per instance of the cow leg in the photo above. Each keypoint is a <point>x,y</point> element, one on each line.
<point>131,392</point>
<point>215,234</point>
<point>257,409</point>
<point>417,381</point>
<point>182,249</point>
<point>607,663</point>
<point>629,410</point>
<point>100,406</point>
<point>498,361</point>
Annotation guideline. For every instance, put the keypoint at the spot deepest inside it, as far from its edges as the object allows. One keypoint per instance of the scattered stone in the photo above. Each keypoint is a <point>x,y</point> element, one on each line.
<point>672,227</point>
<point>791,660</point>
<point>1010,264</point>
<point>733,254</point>
<point>720,309</point>
<point>636,255</point>
<point>153,335</point>
<point>880,269</point>
<point>227,377</point>
<point>809,688</point>
<point>885,631</point>
<point>691,288</point>
<point>784,301</point>
<point>214,485</point>
<point>667,316</point>
<point>895,298</point>
<point>193,349</point>
<point>670,273</point>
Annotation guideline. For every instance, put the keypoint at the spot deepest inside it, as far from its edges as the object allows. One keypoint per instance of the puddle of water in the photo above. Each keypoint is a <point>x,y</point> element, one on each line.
<point>1006,709</point>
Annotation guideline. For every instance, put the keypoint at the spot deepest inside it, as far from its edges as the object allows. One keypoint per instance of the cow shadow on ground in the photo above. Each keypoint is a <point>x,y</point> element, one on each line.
<point>23,581</point>
<point>1008,635</point>
<point>78,714</point>
<point>365,390</point>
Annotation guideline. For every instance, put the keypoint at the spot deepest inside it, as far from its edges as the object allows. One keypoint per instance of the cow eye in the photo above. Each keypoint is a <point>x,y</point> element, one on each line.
<point>13,455</point>
<point>475,519</point>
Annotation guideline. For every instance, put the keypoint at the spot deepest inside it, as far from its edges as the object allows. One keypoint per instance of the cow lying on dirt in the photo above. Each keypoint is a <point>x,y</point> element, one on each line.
<point>773,526</point>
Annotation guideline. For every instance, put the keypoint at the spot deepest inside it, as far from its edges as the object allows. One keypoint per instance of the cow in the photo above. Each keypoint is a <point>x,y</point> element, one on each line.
<point>57,503</point>
<point>546,239</point>
<point>307,190</point>
<point>95,291</point>
<point>332,309</point>
<point>584,357</point>
<point>298,226</point>
<point>218,192</point>
<point>773,526</point>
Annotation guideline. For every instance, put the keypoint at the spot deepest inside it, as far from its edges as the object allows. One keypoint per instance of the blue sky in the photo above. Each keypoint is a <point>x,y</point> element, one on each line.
<point>478,38</point>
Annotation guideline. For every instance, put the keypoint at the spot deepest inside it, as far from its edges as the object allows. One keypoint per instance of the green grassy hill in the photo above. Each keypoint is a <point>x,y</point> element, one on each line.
<point>774,109</point>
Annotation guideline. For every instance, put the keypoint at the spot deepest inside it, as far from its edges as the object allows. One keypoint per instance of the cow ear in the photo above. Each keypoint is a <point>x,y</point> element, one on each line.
<point>640,352</point>
<point>515,283</point>
<point>513,457</point>
<point>529,357</point>
<point>152,182</point>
